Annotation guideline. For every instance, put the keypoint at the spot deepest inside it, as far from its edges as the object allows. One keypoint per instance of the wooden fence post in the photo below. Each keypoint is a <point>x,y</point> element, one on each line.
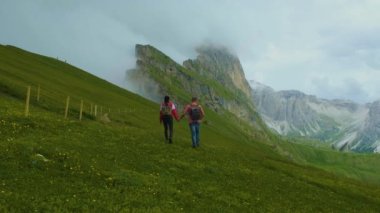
<point>67,106</point>
<point>96,110</point>
<point>27,101</point>
<point>81,110</point>
<point>38,93</point>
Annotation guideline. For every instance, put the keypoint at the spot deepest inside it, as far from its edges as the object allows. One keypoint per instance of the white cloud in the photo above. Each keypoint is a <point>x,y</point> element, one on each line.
<point>336,89</point>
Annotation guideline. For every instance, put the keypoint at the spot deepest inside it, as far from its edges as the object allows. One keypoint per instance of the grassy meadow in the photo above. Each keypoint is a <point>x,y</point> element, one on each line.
<point>52,164</point>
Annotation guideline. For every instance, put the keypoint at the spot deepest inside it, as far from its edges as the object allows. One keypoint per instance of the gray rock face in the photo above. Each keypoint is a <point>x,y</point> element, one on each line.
<point>219,64</point>
<point>369,137</point>
<point>287,112</point>
<point>343,123</point>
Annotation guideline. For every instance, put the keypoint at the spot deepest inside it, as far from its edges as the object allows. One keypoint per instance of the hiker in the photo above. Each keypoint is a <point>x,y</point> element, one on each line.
<point>195,114</point>
<point>167,112</point>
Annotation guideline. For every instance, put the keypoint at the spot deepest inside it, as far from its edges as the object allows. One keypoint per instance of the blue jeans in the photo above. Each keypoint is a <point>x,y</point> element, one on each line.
<point>194,129</point>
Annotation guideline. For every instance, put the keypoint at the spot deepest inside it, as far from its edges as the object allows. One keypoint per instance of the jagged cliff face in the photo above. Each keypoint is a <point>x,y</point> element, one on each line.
<point>287,112</point>
<point>344,124</point>
<point>368,137</point>
<point>215,76</point>
<point>219,64</point>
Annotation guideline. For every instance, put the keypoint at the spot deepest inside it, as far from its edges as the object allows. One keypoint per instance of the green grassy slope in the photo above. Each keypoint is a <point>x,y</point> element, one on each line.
<point>361,166</point>
<point>51,164</point>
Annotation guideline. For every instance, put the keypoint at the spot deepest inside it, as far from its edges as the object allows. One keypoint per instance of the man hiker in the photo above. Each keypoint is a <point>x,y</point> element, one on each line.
<point>195,114</point>
<point>167,112</point>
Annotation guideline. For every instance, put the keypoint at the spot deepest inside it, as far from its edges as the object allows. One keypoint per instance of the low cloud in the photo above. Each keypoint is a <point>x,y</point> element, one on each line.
<point>346,89</point>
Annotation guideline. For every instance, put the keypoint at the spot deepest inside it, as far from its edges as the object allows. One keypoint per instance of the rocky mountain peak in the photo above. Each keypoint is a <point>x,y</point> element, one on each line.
<point>220,64</point>
<point>142,51</point>
<point>373,120</point>
<point>149,54</point>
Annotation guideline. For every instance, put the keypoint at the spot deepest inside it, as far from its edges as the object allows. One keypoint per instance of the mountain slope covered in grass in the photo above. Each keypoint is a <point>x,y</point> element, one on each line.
<point>49,163</point>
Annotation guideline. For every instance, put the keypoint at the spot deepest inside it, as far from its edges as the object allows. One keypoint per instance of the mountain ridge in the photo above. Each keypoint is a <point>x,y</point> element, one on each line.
<point>343,123</point>
<point>220,64</point>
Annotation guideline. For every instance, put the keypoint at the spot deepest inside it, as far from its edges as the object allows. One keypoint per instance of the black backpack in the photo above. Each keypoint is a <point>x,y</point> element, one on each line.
<point>195,113</point>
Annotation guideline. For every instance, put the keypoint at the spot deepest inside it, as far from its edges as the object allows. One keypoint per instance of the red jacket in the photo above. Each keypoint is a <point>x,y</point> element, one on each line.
<point>173,110</point>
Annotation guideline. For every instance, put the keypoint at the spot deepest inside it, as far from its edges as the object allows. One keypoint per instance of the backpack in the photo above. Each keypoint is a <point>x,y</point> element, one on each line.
<point>166,109</point>
<point>195,113</point>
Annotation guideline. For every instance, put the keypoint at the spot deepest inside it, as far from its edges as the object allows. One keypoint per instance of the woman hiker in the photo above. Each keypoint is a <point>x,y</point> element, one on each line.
<point>167,112</point>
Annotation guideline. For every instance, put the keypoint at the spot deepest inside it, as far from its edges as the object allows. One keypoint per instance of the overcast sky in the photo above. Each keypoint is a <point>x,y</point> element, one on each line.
<point>330,48</point>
